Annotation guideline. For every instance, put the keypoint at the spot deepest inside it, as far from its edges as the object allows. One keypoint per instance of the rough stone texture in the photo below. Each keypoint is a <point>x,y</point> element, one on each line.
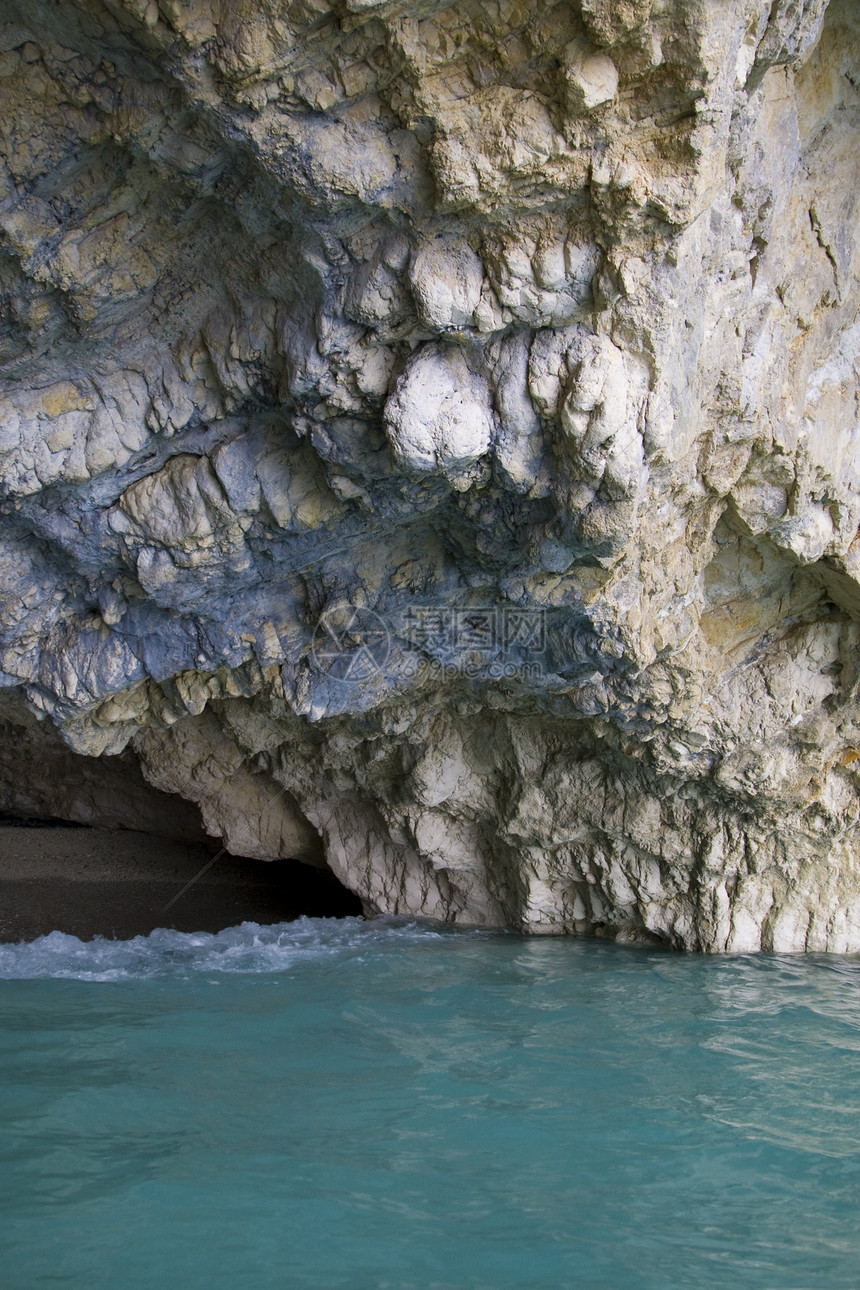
<point>443,308</point>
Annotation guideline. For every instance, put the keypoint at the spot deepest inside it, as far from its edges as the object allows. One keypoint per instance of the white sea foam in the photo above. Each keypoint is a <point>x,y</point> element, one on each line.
<point>248,948</point>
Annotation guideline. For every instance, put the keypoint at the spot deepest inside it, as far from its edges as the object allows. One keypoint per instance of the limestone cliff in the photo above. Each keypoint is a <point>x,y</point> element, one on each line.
<point>431,429</point>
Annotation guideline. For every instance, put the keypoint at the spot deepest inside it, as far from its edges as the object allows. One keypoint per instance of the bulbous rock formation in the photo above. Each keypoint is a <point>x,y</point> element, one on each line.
<point>430,441</point>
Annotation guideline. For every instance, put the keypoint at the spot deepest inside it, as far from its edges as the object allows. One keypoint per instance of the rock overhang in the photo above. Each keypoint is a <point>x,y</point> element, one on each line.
<point>535,327</point>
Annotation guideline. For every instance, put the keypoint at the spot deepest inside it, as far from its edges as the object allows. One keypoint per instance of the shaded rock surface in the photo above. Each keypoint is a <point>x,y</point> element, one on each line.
<point>430,445</point>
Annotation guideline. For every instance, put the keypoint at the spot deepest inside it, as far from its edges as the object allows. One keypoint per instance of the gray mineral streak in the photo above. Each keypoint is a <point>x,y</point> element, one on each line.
<point>430,441</point>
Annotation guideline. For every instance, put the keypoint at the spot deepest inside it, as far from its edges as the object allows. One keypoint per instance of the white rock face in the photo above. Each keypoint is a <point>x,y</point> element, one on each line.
<point>592,78</point>
<point>429,440</point>
<point>439,416</point>
<point>598,419</point>
<point>446,281</point>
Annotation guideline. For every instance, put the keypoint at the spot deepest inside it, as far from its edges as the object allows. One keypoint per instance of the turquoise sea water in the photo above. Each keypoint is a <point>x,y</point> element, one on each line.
<point>376,1106</point>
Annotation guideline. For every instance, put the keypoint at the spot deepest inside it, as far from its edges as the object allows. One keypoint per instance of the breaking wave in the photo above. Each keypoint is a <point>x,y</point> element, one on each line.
<point>246,949</point>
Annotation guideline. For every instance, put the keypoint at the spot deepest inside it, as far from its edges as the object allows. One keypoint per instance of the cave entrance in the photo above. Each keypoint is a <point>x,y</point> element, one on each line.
<point>89,847</point>
<point>120,883</point>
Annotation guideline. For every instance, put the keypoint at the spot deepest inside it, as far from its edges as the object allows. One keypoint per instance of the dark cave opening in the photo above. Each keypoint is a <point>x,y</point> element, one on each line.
<point>89,847</point>
<point>118,883</point>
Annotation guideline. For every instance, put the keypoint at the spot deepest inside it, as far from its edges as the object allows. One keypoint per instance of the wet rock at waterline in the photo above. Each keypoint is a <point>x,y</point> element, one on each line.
<point>429,446</point>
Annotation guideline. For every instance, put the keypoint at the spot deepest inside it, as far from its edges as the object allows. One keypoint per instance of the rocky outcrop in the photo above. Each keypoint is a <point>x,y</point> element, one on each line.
<point>430,434</point>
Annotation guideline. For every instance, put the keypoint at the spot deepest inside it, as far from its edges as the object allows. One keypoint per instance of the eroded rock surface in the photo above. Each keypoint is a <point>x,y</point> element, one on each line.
<point>431,431</point>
